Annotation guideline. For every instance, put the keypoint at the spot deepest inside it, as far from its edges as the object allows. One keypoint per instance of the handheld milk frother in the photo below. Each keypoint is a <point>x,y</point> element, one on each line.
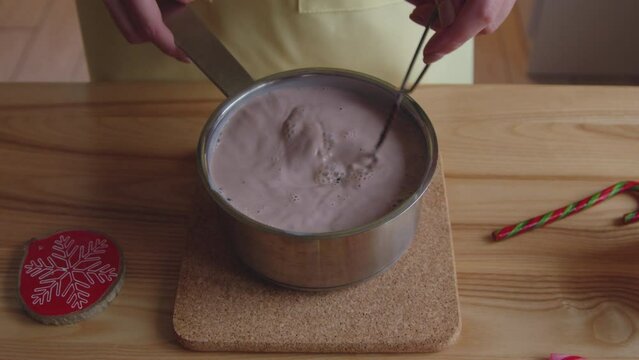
<point>402,89</point>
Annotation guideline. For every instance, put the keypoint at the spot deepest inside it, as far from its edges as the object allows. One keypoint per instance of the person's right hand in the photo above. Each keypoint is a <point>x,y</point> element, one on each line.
<point>459,21</point>
<point>141,21</point>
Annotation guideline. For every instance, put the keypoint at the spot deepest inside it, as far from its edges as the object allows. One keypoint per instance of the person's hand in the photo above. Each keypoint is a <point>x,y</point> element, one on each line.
<point>141,21</point>
<point>458,22</point>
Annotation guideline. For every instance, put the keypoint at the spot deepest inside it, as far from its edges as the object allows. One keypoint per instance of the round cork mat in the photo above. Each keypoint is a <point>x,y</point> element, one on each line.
<point>413,307</point>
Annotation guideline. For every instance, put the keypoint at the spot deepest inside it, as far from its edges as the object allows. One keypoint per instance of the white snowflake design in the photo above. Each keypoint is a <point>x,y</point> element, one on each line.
<point>67,275</point>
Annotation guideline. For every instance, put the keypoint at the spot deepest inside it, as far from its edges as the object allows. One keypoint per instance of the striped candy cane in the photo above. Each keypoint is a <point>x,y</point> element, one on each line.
<point>552,216</point>
<point>565,357</point>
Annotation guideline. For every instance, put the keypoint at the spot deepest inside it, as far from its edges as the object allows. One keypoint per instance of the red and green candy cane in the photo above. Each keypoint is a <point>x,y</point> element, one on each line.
<point>565,357</point>
<point>570,209</point>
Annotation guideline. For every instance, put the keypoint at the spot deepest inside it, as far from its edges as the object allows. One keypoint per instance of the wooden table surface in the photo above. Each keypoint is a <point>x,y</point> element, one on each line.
<point>120,159</point>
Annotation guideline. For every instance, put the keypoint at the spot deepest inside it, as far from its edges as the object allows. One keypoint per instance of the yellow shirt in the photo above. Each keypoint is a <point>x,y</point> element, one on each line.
<point>268,36</point>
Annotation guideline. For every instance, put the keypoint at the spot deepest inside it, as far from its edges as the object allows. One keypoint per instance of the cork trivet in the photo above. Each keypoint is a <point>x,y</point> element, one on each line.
<point>413,307</point>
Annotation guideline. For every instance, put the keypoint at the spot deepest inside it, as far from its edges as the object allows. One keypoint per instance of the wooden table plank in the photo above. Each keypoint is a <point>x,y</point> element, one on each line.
<point>120,159</point>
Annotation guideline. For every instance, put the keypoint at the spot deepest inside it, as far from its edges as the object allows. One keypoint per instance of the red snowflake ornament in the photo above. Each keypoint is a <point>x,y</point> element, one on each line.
<point>69,276</point>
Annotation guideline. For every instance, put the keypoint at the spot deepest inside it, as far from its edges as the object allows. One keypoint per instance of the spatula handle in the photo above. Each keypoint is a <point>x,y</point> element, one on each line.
<point>206,50</point>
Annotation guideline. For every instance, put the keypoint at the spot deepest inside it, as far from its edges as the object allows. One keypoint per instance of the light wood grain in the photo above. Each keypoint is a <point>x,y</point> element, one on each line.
<point>41,41</point>
<point>502,57</point>
<point>55,48</point>
<point>119,159</point>
<point>526,10</point>
<point>12,42</point>
<point>22,13</point>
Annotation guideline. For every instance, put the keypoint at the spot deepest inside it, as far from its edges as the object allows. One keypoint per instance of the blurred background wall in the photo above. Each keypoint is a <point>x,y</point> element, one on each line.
<point>584,40</point>
<point>565,41</point>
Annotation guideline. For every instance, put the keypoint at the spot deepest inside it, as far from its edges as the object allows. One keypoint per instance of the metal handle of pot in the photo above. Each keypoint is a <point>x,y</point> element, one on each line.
<point>206,50</point>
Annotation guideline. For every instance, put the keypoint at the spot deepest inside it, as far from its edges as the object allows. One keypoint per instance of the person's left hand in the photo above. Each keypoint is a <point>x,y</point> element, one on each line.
<point>458,22</point>
<point>141,21</point>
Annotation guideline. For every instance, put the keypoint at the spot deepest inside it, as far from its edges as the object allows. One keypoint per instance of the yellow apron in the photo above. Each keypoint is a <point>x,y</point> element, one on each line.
<point>268,36</point>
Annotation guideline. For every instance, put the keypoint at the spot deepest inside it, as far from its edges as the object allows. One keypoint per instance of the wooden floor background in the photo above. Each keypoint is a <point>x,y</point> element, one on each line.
<point>40,41</point>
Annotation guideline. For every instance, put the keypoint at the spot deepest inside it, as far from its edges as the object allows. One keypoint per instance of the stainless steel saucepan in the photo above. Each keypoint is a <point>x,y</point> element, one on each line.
<point>307,261</point>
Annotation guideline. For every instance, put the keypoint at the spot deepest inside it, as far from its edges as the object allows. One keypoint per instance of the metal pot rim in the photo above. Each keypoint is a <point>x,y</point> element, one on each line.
<point>214,121</point>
